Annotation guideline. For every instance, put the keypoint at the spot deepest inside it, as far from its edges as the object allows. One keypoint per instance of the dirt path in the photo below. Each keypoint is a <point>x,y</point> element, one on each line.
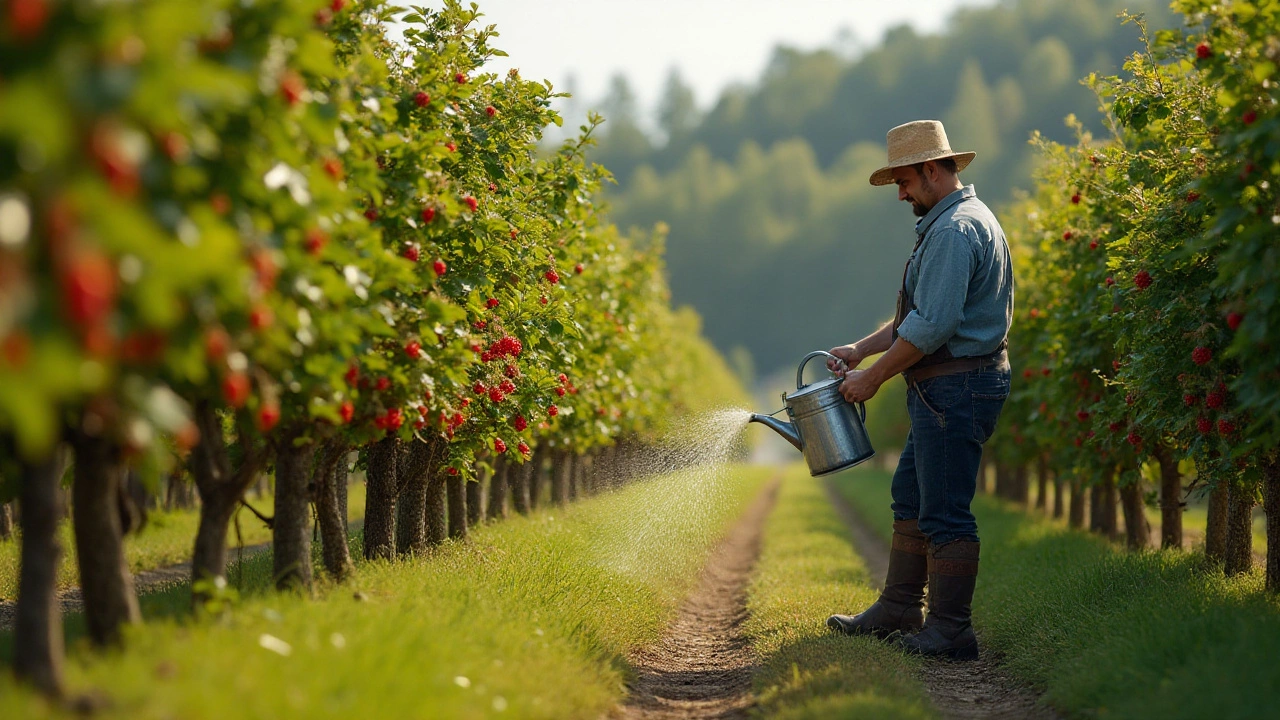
<point>702,668</point>
<point>959,690</point>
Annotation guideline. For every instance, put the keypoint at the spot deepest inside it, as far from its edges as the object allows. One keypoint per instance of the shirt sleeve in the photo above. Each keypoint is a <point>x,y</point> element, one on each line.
<point>947,263</point>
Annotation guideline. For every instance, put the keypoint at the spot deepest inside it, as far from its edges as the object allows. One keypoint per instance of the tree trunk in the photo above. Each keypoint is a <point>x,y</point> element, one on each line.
<point>475,502</point>
<point>497,506</point>
<point>380,499</point>
<point>537,473</point>
<point>455,488</point>
<point>1004,481</point>
<point>1271,503</point>
<point>6,521</point>
<point>1021,485</point>
<point>574,463</point>
<point>1097,496</point>
<point>1075,518</point>
<point>413,463</point>
<point>437,527</point>
<point>1239,558</point>
<point>1137,531</point>
<point>109,599</point>
<point>1042,482</point>
<point>342,485</point>
<point>1058,499</point>
<point>561,467</point>
<point>331,471</point>
<point>1110,519</point>
<point>1170,497</point>
<point>291,531</point>
<point>519,479</point>
<point>220,492</point>
<point>582,469</point>
<point>37,625</point>
<point>1215,535</point>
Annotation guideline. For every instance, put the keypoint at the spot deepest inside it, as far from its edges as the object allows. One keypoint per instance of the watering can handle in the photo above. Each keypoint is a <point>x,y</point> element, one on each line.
<point>805,361</point>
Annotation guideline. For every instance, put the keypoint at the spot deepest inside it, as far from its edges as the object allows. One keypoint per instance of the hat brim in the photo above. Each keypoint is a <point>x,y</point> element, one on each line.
<point>884,176</point>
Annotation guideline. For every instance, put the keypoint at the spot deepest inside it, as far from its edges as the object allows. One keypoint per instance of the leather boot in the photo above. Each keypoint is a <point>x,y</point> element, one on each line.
<point>948,632</point>
<point>901,604</point>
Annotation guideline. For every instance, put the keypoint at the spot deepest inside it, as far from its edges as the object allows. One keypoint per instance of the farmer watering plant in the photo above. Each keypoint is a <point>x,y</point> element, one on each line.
<point>948,339</point>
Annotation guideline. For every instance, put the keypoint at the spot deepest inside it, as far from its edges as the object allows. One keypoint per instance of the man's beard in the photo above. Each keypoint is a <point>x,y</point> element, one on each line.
<point>918,209</point>
<point>925,188</point>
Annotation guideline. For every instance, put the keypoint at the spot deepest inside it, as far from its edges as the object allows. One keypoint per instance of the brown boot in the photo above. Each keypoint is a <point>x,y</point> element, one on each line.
<point>948,632</point>
<point>901,604</point>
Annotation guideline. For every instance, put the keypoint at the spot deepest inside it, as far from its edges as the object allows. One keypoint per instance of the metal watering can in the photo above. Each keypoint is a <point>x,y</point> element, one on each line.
<point>824,426</point>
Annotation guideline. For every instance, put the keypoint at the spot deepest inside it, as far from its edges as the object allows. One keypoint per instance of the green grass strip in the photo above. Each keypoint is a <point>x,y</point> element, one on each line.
<point>1109,633</point>
<point>532,618</point>
<point>807,571</point>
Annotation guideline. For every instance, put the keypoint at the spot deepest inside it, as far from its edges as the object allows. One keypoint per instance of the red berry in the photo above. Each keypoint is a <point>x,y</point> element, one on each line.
<point>523,448</point>
<point>1066,235</point>
<point>507,387</point>
<point>1082,415</point>
<point>475,348</point>
<point>1035,313</point>
<point>1201,355</point>
<point>543,299</point>
<point>337,5</point>
<point>28,17</point>
<point>371,214</point>
<point>292,88</point>
<point>1027,373</point>
<point>514,232</point>
<point>552,410</point>
<point>413,350</point>
<point>1142,279</point>
<point>316,239</point>
<point>1093,244</point>
<point>552,276</point>
<point>1110,281</point>
<point>268,416</point>
<point>479,388</point>
<point>1134,439</point>
<point>491,303</point>
<point>261,317</point>
<point>347,411</point>
<point>499,446</point>
<point>89,288</point>
<point>493,187</point>
<point>353,374</point>
<point>428,214</point>
<point>1190,400</point>
<point>333,167</point>
<point>421,99</point>
<point>394,419</point>
<point>1234,319</point>
<point>1203,51</point>
<point>383,383</point>
<point>1045,371</point>
<point>1226,427</point>
<point>1115,426</point>
<point>491,110</point>
<point>496,395</point>
<point>453,471</point>
<point>1214,400</point>
<point>560,391</point>
<point>578,268</point>
<point>562,378</point>
<point>1128,399</point>
<point>235,389</point>
<point>471,202</point>
<point>451,147</point>
<point>216,343</point>
<point>511,371</point>
<point>520,423</point>
<point>481,324</point>
<point>1075,199</point>
<point>461,78</point>
<point>1193,196</point>
<point>439,267</point>
<point>1247,118</point>
<point>411,253</point>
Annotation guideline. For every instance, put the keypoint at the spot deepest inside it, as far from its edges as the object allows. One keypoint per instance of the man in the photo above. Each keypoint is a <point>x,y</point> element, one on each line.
<point>948,340</point>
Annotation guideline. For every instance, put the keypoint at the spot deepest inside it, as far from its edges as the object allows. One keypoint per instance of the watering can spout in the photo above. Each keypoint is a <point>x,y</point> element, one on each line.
<point>785,429</point>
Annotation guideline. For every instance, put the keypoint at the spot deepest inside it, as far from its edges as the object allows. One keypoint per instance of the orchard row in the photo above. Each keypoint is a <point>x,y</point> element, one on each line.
<point>1149,314</point>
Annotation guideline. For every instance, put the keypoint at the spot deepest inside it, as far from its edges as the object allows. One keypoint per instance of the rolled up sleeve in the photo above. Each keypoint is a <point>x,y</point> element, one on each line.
<point>947,264</point>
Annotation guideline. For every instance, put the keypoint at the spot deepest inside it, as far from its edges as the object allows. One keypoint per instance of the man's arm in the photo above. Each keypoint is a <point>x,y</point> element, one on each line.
<point>860,386</point>
<point>854,353</point>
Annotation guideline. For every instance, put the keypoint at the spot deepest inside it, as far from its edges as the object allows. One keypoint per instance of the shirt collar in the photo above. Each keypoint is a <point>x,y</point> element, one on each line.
<point>922,225</point>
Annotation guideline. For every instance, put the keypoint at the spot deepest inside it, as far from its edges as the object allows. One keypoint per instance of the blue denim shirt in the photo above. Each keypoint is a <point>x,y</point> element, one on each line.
<point>960,279</point>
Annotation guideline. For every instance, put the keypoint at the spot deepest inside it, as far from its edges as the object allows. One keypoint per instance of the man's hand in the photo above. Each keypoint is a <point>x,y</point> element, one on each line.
<point>850,354</point>
<point>858,386</point>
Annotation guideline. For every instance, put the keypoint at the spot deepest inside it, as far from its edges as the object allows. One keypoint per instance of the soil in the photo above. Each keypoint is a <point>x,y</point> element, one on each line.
<point>959,690</point>
<point>702,668</point>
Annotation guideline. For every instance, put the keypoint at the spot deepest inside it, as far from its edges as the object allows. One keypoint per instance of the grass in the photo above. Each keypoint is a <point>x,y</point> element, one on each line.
<point>1108,633</point>
<point>166,539</point>
<point>531,618</point>
<point>807,571</point>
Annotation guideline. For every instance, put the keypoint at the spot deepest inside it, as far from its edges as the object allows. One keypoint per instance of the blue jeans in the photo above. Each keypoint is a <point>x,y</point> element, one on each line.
<point>951,417</point>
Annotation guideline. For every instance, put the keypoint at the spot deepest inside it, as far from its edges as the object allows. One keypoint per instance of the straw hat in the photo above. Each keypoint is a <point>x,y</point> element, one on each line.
<point>917,142</point>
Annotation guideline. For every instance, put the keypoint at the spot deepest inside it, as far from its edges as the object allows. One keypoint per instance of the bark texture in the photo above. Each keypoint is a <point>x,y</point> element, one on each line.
<point>537,475</point>
<point>1215,535</point>
<point>1170,498</point>
<point>37,628</point>
<point>1239,557</point>
<point>412,466</point>
<point>518,479</point>
<point>330,472</point>
<point>437,522</point>
<point>475,502</point>
<point>6,521</point>
<point>1110,518</point>
<point>380,502</point>
<point>1058,499</point>
<point>497,505</point>
<point>1075,518</point>
<point>1042,482</point>
<point>1136,530</point>
<point>455,487</point>
<point>220,487</point>
<point>291,531</point>
<point>110,602</point>
<point>561,472</point>
<point>1271,504</point>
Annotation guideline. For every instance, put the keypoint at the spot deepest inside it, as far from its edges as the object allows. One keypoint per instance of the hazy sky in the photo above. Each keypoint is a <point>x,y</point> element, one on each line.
<point>713,42</point>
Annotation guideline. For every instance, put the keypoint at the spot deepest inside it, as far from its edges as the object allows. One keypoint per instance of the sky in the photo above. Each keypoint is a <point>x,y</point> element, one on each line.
<point>713,42</point>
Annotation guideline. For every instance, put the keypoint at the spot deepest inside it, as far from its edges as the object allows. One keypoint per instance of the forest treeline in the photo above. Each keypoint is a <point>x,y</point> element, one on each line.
<point>776,237</point>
